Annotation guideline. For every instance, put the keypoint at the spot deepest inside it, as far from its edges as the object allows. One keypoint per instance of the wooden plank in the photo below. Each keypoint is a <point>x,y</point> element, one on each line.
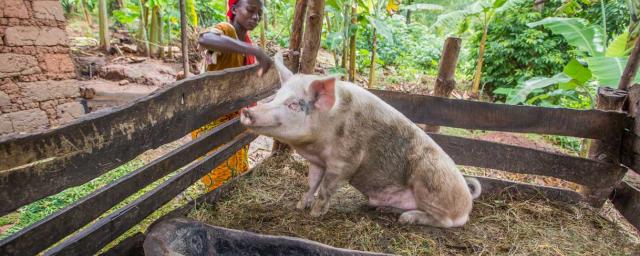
<point>66,221</point>
<point>131,246</point>
<point>74,154</point>
<point>516,190</point>
<point>517,159</point>
<point>626,199</point>
<point>593,124</point>
<point>630,155</point>
<point>96,236</point>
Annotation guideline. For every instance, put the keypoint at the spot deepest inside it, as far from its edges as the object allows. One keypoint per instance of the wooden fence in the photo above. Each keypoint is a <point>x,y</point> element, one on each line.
<point>35,166</point>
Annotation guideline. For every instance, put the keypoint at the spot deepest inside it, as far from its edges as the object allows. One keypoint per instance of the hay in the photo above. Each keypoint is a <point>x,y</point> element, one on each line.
<point>265,202</point>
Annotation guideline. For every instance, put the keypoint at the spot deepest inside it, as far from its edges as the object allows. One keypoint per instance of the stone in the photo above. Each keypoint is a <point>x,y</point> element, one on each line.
<point>89,66</point>
<point>5,100</point>
<point>25,35</point>
<point>58,63</point>
<point>48,10</point>
<point>13,9</point>
<point>28,120</point>
<point>183,236</point>
<point>47,90</point>
<point>69,111</point>
<point>147,73</point>
<point>18,65</point>
<point>6,126</point>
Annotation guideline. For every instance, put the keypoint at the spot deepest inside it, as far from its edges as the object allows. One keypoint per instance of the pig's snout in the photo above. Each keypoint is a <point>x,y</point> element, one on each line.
<point>246,117</point>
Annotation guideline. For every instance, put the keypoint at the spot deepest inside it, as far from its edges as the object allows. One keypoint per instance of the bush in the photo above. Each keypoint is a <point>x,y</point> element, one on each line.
<point>514,51</point>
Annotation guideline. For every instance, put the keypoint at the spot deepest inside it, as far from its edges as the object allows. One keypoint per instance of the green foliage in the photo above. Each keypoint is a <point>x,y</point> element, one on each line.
<point>516,52</point>
<point>578,32</point>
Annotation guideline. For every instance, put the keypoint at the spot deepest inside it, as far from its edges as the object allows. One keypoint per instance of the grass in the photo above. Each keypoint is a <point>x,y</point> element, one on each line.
<point>265,203</point>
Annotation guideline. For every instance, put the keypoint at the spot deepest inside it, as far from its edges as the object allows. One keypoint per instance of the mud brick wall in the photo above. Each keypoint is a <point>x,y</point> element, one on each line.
<point>36,71</point>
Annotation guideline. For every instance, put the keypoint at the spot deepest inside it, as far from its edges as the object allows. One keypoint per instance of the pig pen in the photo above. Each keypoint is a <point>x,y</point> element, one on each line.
<point>509,218</point>
<point>264,202</point>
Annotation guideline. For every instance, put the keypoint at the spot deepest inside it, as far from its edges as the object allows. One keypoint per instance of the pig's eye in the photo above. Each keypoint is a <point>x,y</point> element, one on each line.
<point>294,106</point>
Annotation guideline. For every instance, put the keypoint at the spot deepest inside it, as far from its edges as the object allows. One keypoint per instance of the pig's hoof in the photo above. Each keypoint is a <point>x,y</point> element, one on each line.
<point>319,209</point>
<point>302,204</point>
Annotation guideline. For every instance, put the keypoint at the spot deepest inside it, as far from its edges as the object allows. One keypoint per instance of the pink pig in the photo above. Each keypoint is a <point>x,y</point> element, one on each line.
<point>349,135</point>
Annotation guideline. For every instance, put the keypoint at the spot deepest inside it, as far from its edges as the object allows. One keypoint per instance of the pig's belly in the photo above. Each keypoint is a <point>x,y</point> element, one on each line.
<point>396,197</point>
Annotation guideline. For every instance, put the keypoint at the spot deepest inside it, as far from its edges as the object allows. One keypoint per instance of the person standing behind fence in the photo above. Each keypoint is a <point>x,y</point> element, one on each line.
<point>228,45</point>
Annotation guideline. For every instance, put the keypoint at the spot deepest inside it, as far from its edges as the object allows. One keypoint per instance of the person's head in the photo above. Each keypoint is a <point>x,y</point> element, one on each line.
<point>247,13</point>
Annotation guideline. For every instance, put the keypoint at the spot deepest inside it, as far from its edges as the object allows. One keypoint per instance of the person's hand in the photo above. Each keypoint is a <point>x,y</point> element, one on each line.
<point>265,63</point>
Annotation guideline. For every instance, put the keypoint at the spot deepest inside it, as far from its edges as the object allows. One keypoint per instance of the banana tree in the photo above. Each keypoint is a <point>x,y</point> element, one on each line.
<point>104,25</point>
<point>577,82</point>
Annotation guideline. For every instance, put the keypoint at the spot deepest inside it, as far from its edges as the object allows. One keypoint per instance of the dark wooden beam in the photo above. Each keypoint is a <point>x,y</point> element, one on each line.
<point>517,159</point>
<point>626,199</point>
<point>46,163</point>
<point>66,221</point>
<point>492,188</point>
<point>93,238</point>
<point>593,124</point>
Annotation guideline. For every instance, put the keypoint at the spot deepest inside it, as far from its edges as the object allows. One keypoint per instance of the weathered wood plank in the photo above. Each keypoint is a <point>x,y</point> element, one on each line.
<point>593,124</point>
<point>626,199</point>
<point>630,155</point>
<point>66,221</point>
<point>76,153</point>
<point>96,236</point>
<point>498,187</point>
<point>517,159</point>
<point>131,246</point>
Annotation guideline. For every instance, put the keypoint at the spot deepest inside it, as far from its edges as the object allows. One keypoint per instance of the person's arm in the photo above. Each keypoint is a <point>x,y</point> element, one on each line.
<point>222,43</point>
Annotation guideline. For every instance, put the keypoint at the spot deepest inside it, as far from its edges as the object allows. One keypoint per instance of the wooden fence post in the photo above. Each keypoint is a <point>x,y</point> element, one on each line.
<point>606,150</point>
<point>312,36</point>
<point>446,72</point>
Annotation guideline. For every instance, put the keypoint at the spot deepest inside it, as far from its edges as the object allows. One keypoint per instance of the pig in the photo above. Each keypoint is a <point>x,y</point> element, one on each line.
<point>349,135</point>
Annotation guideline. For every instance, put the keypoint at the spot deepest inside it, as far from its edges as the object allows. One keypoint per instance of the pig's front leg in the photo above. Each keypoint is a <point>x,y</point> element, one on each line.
<point>315,176</point>
<point>334,175</point>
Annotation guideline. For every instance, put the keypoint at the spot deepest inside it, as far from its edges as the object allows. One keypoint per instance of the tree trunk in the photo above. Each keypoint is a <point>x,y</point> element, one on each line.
<point>296,35</point>
<point>312,36</point>
<point>445,83</point>
<point>372,70</point>
<point>183,38</point>
<point>265,24</point>
<point>170,51</point>
<point>408,19</point>
<point>160,33</point>
<point>143,29</point>
<point>85,10</point>
<point>538,5</point>
<point>104,25</point>
<point>153,34</point>
<point>345,45</point>
<point>333,52</point>
<point>478,74</point>
<point>632,67</point>
<point>352,44</point>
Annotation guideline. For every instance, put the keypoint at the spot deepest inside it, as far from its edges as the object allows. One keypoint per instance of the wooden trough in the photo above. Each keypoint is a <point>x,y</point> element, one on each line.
<point>34,166</point>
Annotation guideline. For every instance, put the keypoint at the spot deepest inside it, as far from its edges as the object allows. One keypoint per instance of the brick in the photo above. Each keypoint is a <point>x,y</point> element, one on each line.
<point>28,120</point>
<point>48,10</point>
<point>6,126</point>
<point>17,65</point>
<point>25,35</point>
<point>58,63</point>
<point>47,90</point>
<point>69,111</point>
<point>13,9</point>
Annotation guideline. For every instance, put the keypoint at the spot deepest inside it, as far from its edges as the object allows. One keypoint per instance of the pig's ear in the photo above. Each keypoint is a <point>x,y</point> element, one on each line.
<point>283,71</point>
<point>323,93</point>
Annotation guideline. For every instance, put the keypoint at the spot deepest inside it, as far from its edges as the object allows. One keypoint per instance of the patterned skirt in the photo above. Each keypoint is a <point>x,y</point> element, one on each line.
<point>236,164</point>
